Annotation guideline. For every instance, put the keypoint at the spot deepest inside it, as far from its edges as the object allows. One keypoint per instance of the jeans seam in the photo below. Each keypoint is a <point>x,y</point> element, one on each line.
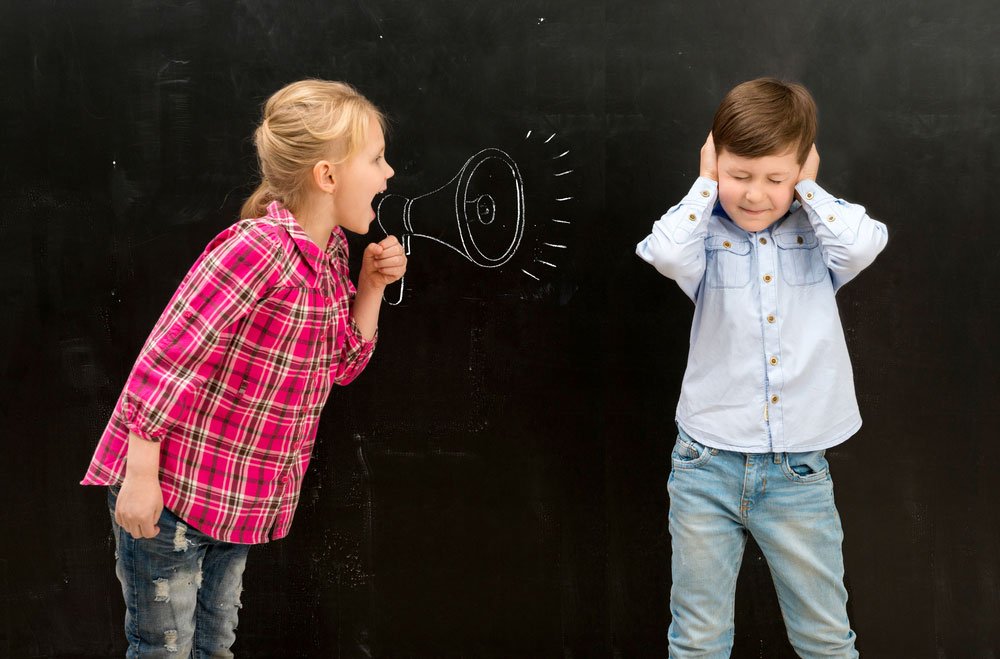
<point>133,588</point>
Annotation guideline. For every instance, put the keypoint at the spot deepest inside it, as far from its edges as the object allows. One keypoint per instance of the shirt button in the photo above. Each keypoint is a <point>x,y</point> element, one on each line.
<point>705,193</point>
<point>774,399</point>
<point>774,361</point>
<point>763,241</point>
<point>770,318</point>
<point>809,195</point>
<point>692,217</point>
<point>727,244</point>
<point>799,239</point>
<point>831,218</point>
<point>767,279</point>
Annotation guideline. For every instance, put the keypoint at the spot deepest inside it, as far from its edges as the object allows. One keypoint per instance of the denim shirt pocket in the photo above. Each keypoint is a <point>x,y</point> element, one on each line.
<point>800,257</point>
<point>727,261</point>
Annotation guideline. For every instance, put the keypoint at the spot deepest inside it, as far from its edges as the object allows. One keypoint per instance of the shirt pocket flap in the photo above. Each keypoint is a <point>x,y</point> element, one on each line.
<point>796,240</point>
<point>727,243</point>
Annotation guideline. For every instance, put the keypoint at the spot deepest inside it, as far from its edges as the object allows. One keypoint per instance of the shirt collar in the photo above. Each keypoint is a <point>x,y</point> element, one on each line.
<point>336,246</point>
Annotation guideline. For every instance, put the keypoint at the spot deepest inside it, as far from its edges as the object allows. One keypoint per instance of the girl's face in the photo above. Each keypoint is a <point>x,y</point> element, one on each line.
<point>757,192</point>
<point>358,180</point>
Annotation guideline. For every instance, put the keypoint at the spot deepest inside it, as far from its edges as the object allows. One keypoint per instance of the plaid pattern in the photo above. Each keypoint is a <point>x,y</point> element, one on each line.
<point>234,376</point>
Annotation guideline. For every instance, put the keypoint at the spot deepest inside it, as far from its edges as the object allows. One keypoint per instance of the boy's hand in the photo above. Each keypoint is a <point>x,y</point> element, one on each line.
<point>139,505</point>
<point>383,263</point>
<point>810,169</point>
<point>709,161</point>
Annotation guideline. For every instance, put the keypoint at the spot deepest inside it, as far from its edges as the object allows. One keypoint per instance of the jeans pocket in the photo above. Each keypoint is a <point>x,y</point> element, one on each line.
<point>806,467</point>
<point>689,454</point>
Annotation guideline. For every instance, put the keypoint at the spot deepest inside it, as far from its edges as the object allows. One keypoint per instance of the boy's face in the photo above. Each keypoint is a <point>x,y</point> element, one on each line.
<point>757,192</point>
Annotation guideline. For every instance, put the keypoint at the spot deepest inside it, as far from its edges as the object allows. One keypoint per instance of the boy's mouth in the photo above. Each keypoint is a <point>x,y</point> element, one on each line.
<point>752,212</point>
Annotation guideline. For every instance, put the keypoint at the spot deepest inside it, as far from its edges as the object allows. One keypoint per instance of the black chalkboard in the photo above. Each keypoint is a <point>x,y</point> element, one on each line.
<point>494,485</point>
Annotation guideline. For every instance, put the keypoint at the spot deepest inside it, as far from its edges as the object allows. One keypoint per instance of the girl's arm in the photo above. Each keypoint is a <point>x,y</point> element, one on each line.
<point>140,500</point>
<point>382,263</point>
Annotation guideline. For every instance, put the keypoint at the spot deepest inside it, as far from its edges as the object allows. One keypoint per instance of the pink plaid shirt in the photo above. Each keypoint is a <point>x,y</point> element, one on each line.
<point>234,375</point>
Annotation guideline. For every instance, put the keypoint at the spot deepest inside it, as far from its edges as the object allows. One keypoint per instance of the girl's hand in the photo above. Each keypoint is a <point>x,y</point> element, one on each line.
<point>139,505</point>
<point>382,263</point>
<point>709,161</point>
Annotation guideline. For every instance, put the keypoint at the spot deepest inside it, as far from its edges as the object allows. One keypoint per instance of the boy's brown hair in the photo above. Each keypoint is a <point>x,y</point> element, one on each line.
<point>765,117</point>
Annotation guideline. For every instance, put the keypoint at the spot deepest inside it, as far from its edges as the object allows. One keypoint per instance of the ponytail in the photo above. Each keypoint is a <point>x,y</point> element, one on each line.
<point>256,204</point>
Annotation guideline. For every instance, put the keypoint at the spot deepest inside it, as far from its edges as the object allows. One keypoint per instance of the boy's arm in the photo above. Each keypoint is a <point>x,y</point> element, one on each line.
<point>676,246</point>
<point>849,239</point>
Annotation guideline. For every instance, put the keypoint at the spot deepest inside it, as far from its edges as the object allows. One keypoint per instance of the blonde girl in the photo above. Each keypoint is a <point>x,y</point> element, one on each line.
<point>205,451</point>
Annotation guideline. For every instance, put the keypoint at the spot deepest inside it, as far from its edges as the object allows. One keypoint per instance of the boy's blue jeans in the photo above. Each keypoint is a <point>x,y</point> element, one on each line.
<point>785,500</point>
<point>181,589</point>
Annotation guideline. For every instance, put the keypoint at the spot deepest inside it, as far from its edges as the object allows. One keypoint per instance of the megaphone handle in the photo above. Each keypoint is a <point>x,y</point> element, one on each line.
<point>402,280</point>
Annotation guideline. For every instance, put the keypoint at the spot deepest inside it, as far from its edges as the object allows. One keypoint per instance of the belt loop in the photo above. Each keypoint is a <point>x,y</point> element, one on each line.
<point>777,458</point>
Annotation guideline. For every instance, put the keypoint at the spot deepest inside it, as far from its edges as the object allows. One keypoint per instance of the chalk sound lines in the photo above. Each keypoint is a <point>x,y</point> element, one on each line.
<point>560,177</point>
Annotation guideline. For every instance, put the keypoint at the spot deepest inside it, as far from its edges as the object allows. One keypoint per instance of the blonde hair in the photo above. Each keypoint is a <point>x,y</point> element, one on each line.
<point>764,117</point>
<point>305,122</point>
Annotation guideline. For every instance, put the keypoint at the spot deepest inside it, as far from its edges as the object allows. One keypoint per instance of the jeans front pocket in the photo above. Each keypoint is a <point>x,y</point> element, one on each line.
<point>689,454</point>
<point>727,261</point>
<point>806,467</point>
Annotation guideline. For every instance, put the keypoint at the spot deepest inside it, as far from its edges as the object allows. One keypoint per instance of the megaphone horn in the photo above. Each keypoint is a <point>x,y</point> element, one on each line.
<point>486,201</point>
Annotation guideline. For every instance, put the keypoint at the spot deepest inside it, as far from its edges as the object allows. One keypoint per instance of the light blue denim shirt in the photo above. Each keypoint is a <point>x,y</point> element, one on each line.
<point>768,369</point>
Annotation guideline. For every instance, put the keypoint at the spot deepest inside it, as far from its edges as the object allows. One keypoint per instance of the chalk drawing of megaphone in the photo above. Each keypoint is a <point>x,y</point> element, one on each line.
<point>479,213</point>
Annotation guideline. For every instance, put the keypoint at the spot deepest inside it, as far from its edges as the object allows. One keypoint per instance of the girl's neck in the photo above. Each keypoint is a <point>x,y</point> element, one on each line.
<point>316,219</point>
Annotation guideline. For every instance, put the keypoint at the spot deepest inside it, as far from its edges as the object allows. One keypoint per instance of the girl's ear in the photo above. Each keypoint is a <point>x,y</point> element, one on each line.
<point>323,176</point>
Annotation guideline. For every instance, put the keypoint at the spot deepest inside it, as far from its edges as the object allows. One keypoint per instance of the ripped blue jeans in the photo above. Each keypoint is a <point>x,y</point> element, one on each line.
<point>785,501</point>
<point>181,589</point>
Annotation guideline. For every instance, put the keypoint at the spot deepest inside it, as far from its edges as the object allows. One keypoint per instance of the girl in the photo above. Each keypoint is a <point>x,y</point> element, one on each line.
<point>205,451</point>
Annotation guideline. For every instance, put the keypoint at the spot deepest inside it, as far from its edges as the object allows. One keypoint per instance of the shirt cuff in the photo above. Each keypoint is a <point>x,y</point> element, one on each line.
<point>826,211</point>
<point>358,339</point>
<point>136,423</point>
<point>695,207</point>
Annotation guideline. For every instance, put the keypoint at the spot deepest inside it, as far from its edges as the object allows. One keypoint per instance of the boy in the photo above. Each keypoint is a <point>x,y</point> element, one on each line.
<point>768,384</point>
